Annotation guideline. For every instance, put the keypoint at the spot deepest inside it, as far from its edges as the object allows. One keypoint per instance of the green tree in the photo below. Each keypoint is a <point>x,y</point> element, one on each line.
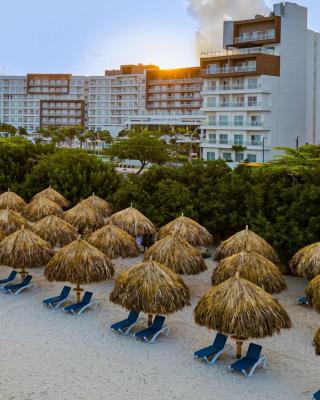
<point>8,128</point>
<point>143,147</point>
<point>75,173</point>
<point>237,148</point>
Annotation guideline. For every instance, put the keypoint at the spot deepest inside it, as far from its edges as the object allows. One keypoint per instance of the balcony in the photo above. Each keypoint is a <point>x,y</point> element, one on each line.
<point>237,52</point>
<point>229,70</point>
<point>235,105</point>
<point>247,125</point>
<point>227,88</point>
<point>229,143</point>
<point>255,36</point>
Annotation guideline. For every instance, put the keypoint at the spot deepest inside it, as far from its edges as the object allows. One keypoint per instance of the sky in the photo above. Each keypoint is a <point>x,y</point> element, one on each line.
<point>85,37</point>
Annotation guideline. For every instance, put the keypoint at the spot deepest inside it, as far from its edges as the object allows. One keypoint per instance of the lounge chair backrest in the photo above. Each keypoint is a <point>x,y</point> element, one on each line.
<point>133,315</point>
<point>65,291</point>
<point>254,351</point>
<point>12,275</point>
<point>87,297</point>
<point>158,322</point>
<point>26,280</point>
<point>220,341</point>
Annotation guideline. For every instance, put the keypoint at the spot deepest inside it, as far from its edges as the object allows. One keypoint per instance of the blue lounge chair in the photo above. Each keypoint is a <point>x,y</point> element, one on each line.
<point>154,330</point>
<point>316,395</point>
<point>125,326</point>
<point>303,301</point>
<point>249,363</point>
<point>213,352</point>
<point>86,302</point>
<point>10,278</point>
<point>19,287</point>
<point>56,302</point>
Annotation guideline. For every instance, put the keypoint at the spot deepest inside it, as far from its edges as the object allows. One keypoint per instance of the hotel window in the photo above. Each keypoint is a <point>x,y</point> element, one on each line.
<point>251,157</point>
<point>211,156</point>
<point>239,84</point>
<point>238,140</point>
<point>223,120</point>
<point>252,101</point>
<point>238,120</point>
<point>252,83</point>
<point>239,157</point>
<point>223,138</point>
<point>212,138</point>
<point>227,156</point>
<point>255,120</point>
<point>256,139</point>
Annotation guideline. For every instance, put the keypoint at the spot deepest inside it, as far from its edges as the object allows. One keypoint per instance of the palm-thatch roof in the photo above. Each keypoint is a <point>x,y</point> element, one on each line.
<point>12,200</point>
<point>80,263</point>
<point>242,309</point>
<point>151,288</point>
<point>99,205</point>
<point>309,263</point>
<point>246,240</point>
<point>11,221</point>
<point>317,342</point>
<point>178,255</point>
<point>134,222</point>
<point>114,242</point>
<point>313,292</point>
<point>55,230</point>
<point>187,229</point>
<point>300,254</point>
<point>2,235</point>
<point>24,249</point>
<point>41,207</point>
<point>253,267</point>
<point>84,218</point>
<point>52,195</point>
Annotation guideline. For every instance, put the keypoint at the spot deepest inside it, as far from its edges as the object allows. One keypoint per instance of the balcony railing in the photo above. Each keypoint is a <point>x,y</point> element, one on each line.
<point>256,35</point>
<point>232,87</point>
<point>233,142</point>
<point>235,123</point>
<point>229,70</point>
<point>235,52</point>
<point>233,104</point>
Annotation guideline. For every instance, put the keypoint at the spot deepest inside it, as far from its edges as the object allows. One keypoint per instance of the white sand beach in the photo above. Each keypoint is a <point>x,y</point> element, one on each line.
<point>50,355</point>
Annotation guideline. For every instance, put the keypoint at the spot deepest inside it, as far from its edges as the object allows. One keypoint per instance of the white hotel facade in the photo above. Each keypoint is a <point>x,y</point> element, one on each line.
<point>261,91</point>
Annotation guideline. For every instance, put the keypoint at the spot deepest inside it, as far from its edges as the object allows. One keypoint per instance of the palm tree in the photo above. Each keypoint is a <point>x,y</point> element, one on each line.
<point>238,148</point>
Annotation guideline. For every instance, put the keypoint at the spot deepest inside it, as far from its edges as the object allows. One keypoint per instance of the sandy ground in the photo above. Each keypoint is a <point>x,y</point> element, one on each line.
<point>50,355</point>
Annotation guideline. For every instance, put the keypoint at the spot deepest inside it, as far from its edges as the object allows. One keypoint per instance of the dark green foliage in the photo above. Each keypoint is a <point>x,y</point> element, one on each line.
<point>74,173</point>
<point>279,201</point>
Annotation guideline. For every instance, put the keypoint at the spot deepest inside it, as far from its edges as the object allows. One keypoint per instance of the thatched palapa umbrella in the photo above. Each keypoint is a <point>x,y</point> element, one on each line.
<point>55,230</point>
<point>151,288</point>
<point>84,218</point>
<point>300,254</point>
<point>99,205</point>
<point>52,195</point>
<point>11,221</point>
<point>79,263</point>
<point>317,342</point>
<point>241,309</point>
<point>24,249</point>
<point>114,242</point>
<point>246,240</point>
<point>313,292</point>
<point>253,267</point>
<point>41,207</point>
<point>308,266</point>
<point>187,229</point>
<point>134,222</point>
<point>178,255</point>
<point>11,200</point>
<point>2,235</point>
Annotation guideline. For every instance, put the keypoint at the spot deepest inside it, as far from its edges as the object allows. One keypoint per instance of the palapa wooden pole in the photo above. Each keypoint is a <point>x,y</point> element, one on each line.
<point>78,291</point>
<point>149,319</point>
<point>239,348</point>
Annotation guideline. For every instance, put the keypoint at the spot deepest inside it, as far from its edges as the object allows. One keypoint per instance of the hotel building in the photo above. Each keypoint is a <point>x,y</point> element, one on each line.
<point>261,91</point>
